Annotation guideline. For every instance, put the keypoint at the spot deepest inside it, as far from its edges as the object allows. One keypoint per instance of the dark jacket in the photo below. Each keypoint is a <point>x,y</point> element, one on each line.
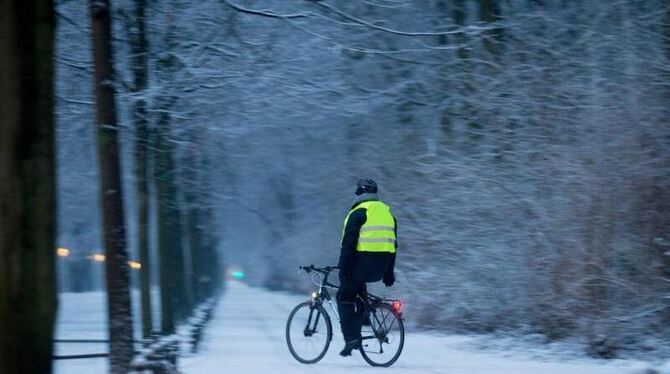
<point>363,266</point>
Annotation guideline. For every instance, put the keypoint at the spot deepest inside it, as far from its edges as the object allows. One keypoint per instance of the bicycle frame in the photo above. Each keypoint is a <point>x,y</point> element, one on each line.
<point>322,295</point>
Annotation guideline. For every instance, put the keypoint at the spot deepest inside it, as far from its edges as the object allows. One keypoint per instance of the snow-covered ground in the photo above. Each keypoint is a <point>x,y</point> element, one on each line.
<point>246,335</point>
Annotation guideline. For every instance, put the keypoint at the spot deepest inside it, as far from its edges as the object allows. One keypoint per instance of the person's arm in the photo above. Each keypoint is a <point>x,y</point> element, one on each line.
<point>350,240</point>
<point>389,277</point>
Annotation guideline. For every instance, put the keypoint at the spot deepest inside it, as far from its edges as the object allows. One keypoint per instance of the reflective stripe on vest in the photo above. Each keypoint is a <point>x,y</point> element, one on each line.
<point>378,232</point>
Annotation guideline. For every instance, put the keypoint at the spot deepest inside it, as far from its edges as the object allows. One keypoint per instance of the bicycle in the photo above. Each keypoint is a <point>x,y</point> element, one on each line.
<point>309,330</point>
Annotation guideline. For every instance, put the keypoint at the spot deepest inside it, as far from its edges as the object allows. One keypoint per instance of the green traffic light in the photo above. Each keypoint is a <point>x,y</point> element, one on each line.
<point>238,274</point>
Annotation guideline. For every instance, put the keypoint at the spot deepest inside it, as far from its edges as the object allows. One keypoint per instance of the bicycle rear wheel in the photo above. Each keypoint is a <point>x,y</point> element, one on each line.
<point>384,339</point>
<point>308,332</point>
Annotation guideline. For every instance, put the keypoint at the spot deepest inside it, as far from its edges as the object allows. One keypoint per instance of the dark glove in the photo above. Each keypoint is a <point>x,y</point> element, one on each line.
<point>389,279</point>
<point>344,275</point>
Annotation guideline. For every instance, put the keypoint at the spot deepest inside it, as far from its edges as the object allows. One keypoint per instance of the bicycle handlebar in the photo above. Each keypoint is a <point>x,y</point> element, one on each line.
<point>326,270</point>
<point>323,270</point>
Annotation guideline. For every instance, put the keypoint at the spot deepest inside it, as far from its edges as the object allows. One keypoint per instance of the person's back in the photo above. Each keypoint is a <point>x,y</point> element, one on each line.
<point>369,243</point>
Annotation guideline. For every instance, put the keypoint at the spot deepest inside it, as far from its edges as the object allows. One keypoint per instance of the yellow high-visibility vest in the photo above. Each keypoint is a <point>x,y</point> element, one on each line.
<point>378,232</point>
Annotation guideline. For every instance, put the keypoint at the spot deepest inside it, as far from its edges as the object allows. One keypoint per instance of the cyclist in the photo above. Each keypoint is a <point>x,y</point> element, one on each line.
<point>367,255</point>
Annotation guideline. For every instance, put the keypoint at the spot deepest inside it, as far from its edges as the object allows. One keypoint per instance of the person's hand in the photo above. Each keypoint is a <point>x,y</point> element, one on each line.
<point>344,275</point>
<point>389,279</point>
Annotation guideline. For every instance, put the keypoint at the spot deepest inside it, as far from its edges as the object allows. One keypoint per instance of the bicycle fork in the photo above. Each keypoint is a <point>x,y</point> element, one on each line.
<point>309,331</point>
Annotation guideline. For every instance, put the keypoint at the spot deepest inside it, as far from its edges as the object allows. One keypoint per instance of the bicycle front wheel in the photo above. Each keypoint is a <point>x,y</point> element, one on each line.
<point>308,332</point>
<point>384,339</point>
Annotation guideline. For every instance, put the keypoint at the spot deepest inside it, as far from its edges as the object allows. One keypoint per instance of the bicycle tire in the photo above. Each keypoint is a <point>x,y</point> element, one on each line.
<point>386,310</point>
<point>320,313</point>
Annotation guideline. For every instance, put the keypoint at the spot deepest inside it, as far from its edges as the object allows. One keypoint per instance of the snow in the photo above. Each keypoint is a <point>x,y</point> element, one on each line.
<point>246,335</point>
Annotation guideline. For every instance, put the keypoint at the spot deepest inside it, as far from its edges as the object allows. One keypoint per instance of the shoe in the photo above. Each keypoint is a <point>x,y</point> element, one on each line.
<point>350,346</point>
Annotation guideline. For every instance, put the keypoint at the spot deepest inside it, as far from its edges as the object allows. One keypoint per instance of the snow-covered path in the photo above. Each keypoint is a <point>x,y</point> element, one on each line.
<point>246,335</point>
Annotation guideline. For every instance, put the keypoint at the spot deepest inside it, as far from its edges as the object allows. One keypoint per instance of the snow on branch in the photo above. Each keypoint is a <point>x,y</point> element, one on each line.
<point>453,31</point>
<point>75,101</point>
<point>266,13</point>
<point>374,51</point>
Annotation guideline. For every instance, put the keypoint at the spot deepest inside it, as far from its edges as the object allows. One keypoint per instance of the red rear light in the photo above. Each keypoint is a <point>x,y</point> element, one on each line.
<point>396,305</point>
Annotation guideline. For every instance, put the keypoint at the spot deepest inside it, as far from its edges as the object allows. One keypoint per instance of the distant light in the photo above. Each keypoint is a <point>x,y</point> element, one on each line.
<point>238,274</point>
<point>62,252</point>
<point>135,265</point>
<point>98,257</point>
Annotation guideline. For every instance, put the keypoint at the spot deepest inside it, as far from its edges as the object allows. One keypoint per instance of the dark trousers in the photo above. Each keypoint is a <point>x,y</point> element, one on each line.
<point>351,310</point>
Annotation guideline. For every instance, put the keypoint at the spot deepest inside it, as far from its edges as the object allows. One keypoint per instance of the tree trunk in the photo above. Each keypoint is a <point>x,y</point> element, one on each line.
<point>186,303</point>
<point>209,242</point>
<point>169,229</point>
<point>140,49</point>
<point>118,295</point>
<point>193,186</point>
<point>174,296</point>
<point>27,187</point>
<point>489,12</point>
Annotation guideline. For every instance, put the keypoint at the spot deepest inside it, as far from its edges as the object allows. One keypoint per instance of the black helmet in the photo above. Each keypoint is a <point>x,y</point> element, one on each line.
<point>366,185</point>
